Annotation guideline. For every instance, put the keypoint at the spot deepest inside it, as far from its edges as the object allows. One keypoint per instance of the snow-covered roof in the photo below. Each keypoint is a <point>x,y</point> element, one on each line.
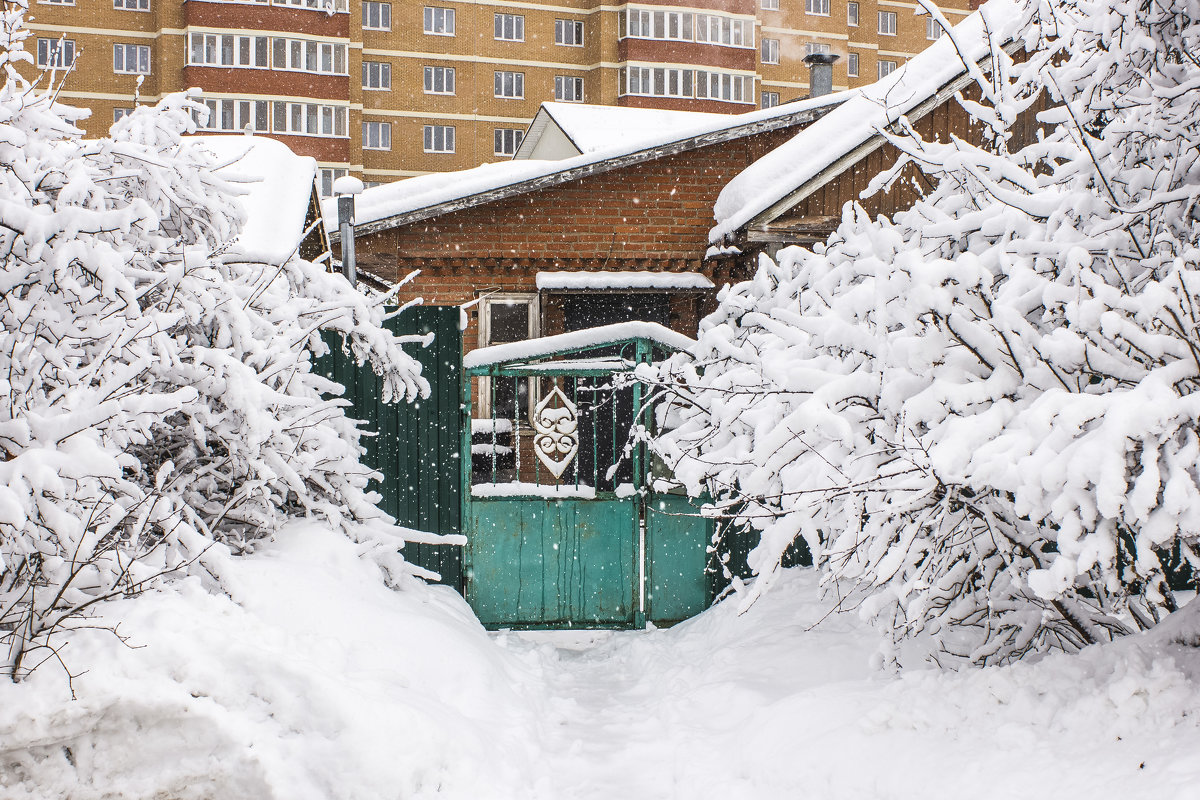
<point>585,128</point>
<point>576,340</point>
<point>425,196</point>
<point>580,281</point>
<point>278,186</point>
<point>803,164</point>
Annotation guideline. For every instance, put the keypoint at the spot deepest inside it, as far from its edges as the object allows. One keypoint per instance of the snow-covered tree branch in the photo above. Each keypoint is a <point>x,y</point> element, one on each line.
<point>982,414</point>
<point>157,393</point>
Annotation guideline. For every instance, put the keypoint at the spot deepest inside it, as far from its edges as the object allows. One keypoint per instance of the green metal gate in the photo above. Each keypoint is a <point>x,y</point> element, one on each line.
<point>567,526</point>
<point>415,446</point>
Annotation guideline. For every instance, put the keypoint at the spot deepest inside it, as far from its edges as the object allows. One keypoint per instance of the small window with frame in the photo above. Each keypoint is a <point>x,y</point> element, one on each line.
<point>507,318</point>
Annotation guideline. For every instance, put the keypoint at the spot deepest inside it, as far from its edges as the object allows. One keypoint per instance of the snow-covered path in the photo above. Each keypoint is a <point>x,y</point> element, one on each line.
<point>312,681</point>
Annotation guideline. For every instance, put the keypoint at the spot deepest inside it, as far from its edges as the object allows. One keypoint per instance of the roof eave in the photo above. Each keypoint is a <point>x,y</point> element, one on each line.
<point>595,168</point>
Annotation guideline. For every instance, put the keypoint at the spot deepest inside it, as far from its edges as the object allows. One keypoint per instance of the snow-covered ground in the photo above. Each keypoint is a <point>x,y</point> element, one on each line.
<point>312,680</point>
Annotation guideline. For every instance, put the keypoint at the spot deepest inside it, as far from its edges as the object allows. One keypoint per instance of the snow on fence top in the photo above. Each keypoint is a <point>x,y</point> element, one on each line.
<point>835,135</point>
<point>405,197</point>
<point>576,340</point>
<point>278,185</point>
<point>570,281</point>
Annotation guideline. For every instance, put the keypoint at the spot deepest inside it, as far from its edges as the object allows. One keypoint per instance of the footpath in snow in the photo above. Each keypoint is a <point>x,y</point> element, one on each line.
<point>312,680</point>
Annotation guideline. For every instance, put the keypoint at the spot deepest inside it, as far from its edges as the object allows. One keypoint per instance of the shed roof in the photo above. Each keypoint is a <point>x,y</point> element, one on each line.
<point>425,196</point>
<point>839,139</point>
<point>575,342</point>
<point>278,185</point>
<point>589,128</point>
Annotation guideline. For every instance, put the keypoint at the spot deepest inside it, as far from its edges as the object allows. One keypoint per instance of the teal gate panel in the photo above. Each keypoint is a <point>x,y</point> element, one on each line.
<point>677,539</point>
<point>537,563</point>
<point>415,446</point>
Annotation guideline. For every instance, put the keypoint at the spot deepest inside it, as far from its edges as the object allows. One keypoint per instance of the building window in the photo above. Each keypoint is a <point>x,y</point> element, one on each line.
<point>227,50</point>
<point>439,138</point>
<point>852,65</point>
<point>507,318</point>
<point>770,51</point>
<point>306,55</point>
<point>132,5</point>
<point>328,6</point>
<point>510,27</point>
<point>770,99</point>
<point>55,53</point>
<point>933,29</point>
<point>377,16</point>
<point>568,89</point>
<point>377,135</point>
<point>58,2</point>
<point>723,86</point>
<point>852,14</point>
<point>715,29</point>
<point>229,114</point>
<point>510,85</point>
<point>885,68</point>
<point>308,119</point>
<point>326,178</point>
<point>376,75</point>
<point>887,23</point>
<point>439,21</point>
<point>508,140</point>
<point>131,59</point>
<point>817,7</point>
<point>770,5</point>
<point>120,113</point>
<point>568,32</point>
<point>439,80</point>
<point>816,48</point>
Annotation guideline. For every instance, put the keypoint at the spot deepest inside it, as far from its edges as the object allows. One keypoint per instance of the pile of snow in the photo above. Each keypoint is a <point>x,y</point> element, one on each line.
<point>311,679</point>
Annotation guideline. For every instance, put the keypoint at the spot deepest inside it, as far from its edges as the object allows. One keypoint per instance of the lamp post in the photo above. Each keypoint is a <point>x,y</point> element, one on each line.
<point>346,187</point>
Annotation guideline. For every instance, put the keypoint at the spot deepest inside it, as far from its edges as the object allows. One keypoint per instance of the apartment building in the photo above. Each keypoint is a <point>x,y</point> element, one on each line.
<point>386,90</point>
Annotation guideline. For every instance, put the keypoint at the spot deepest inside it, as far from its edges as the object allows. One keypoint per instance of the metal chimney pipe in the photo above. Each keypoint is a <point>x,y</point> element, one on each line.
<point>820,78</point>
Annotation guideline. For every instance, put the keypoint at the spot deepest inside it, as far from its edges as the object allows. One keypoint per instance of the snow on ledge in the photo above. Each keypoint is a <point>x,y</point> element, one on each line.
<point>590,337</point>
<point>519,489</point>
<point>572,281</point>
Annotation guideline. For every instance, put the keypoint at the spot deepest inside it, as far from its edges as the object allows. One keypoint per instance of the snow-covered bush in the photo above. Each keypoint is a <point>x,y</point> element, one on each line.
<point>982,415</point>
<point>158,398</point>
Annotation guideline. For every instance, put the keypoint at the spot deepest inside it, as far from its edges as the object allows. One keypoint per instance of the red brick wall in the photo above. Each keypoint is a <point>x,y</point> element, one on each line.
<point>655,215</point>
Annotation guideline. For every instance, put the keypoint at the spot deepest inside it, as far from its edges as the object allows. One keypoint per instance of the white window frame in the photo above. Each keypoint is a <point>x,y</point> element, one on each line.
<point>933,29</point>
<point>572,39</point>
<point>120,113</point>
<point>723,30</point>
<point>55,53</point>
<point>439,21</point>
<point>235,114</point>
<point>852,65</point>
<point>887,23</point>
<point>852,14</point>
<point>485,333</point>
<point>508,85</point>
<point>326,177</point>
<point>817,48</point>
<point>430,135</point>
<point>376,76</point>
<point>506,141</point>
<point>768,99</point>
<point>816,8</point>
<point>508,27</point>
<point>376,16</point>
<point>568,89</point>
<point>376,135</point>
<point>309,119</point>
<point>770,51</point>
<point>724,87</point>
<point>432,75</point>
<point>141,58</point>
<point>885,67</point>
<point>769,5</point>
<point>131,5</point>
